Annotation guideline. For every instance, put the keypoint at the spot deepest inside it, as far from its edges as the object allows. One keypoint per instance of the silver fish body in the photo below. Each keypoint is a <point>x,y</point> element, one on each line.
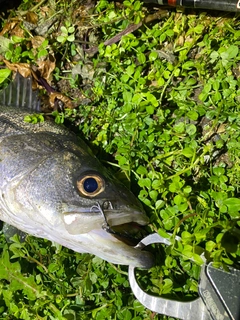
<point>53,187</point>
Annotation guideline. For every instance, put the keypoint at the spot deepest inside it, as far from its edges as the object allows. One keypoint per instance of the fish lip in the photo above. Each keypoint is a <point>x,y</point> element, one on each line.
<point>120,217</point>
<point>82,220</point>
<point>135,256</point>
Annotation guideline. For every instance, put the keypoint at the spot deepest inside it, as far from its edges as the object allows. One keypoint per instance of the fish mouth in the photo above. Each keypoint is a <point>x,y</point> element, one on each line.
<point>114,233</point>
<point>127,227</point>
<point>115,221</point>
<point>129,233</point>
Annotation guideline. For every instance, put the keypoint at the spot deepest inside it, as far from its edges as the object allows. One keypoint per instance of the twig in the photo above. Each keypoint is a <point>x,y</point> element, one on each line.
<point>33,8</point>
<point>131,28</point>
<point>183,219</point>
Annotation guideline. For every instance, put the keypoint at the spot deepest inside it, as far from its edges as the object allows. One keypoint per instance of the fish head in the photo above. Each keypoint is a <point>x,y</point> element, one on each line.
<point>53,187</point>
<point>110,214</point>
<point>69,197</point>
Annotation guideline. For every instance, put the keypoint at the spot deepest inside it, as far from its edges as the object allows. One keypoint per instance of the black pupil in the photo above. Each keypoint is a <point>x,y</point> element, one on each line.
<point>90,185</point>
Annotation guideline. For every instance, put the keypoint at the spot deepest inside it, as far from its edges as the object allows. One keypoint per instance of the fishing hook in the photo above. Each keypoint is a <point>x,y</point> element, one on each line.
<point>100,208</point>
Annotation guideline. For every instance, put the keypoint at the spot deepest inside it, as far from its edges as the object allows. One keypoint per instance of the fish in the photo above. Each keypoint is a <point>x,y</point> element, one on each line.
<point>53,187</point>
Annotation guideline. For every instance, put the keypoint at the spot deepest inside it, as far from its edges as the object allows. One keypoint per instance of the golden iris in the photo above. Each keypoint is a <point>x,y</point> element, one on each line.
<point>90,185</point>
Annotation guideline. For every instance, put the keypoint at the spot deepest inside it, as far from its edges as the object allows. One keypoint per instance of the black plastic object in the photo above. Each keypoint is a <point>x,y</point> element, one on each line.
<point>221,5</point>
<point>220,291</point>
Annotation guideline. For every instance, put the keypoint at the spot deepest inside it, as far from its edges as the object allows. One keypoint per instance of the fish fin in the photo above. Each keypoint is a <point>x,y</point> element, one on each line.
<point>9,231</point>
<point>19,94</point>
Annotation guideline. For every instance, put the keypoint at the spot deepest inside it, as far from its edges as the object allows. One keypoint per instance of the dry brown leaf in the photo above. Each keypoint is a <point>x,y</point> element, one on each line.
<point>18,31</point>
<point>13,29</point>
<point>31,17</point>
<point>44,11</point>
<point>221,128</point>
<point>45,70</point>
<point>23,68</point>
<point>9,27</point>
<point>46,67</point>
<point>57,95</point>
<point>180,41</point>
<point>37,41</point>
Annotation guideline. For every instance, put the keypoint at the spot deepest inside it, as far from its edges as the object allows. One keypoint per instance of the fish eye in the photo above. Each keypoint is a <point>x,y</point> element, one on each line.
<point>90,185</point>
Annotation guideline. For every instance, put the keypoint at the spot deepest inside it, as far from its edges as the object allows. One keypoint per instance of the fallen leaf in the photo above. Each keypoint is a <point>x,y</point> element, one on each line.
<point>57,95</point>
<point>46,67</point>
<point>37,41</point>
<point>31,17</point>
<point>9,27</point>
<point>23,68</point>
